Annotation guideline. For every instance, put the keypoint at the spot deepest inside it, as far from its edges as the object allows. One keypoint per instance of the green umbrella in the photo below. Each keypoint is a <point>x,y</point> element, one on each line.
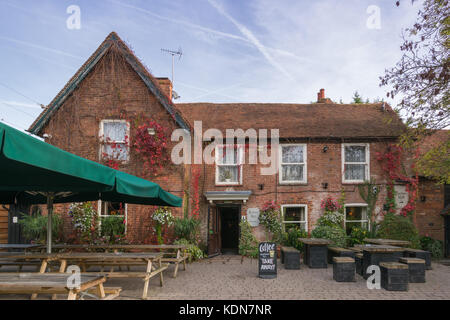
<point>33,171</point>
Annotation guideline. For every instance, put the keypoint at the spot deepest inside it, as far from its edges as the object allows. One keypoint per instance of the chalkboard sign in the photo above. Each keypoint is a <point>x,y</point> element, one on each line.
<point>267,260</point>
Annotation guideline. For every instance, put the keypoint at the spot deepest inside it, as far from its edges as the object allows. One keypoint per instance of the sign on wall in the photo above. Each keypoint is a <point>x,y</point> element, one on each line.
<point>253,216</point>
<point>267,260</point>
<point>401,196</point>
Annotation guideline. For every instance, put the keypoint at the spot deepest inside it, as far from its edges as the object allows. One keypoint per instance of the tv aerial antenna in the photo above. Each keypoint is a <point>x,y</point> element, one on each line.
<point>173,53</point>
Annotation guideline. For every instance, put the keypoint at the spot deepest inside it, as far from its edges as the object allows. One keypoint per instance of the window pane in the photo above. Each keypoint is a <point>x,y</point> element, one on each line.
<point>114,131</point>
<point>117,151</point>
<point>355,154</point>
<point>113,208</point>
<point>292,172</point>
<point>227,155</point>
<point>294,214</point>
<point>354,213</point>
<point>292,154</point>
<point>228,174</point>
<point>349,226</point>
<point>301,226</point>
<point>355,171</point>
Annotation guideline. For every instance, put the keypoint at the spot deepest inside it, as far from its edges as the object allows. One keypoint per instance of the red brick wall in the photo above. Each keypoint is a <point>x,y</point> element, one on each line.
<point>110,89</point>
<point>429,220</point>
<point>321,167</point>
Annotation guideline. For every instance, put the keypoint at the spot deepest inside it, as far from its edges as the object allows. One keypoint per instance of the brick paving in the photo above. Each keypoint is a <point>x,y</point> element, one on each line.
<point>227,277</point>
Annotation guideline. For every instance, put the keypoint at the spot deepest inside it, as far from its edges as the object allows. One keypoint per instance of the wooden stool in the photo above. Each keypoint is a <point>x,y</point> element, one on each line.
<point>416,269</point>
<point>339,252</point>
<point>344,269</point>
<point>290,257</point>
<point>359,264</point>
<point>421,254</point>
<point>394,276</point>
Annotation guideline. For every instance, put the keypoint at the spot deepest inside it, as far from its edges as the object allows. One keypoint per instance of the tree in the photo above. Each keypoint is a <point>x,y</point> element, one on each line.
<point>421,77</point>
<point>357,98</point>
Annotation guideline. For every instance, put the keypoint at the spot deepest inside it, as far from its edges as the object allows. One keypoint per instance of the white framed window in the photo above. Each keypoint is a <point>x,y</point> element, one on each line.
<point>114,138</point>
<point>292,163</point>
<point>355,162</point>
<point>356,216</point>
<point>295,216</point>
<point>229,159</point>
<point>112,209</point>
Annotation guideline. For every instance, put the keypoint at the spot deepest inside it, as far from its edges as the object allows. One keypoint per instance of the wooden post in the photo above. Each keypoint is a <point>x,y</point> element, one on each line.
<point>147,279</point>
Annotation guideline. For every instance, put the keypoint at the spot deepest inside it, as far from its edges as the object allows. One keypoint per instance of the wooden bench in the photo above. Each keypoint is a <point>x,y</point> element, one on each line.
<point>394,276</point>
<point>416,269</point>
<point>53,283</point>
<point>339,252</point>
<point>20,264</point>
<point>173,254</point>
<point>421,254</point>
<point>290,257</point>
<point>344,269</point>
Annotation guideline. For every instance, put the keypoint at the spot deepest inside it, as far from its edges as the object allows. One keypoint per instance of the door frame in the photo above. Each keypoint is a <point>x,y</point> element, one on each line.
<point>214,209</point>
<point>239,212</point>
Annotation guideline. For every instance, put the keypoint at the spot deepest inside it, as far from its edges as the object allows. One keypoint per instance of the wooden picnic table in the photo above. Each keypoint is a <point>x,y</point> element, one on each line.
<point>24,247</point>
<point>316,252</point>
<point>152,261</point>
<point>175,254</point>
<point>388,242</point>
<point>375,254</point>
<point>56,283</point>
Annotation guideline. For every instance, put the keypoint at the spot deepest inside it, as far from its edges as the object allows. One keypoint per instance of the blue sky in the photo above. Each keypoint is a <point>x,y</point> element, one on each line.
<point>234,51</point>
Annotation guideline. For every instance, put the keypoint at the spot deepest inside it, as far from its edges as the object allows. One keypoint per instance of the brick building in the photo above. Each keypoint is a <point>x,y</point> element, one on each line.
<point>324,147</point>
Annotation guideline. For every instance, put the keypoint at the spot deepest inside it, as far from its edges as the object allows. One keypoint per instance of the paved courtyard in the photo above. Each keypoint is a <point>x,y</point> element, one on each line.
<point>227,277</point>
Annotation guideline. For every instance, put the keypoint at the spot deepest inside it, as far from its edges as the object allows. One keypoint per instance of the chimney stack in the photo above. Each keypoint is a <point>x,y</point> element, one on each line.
<point>166,86</point>
<point>321,97</point>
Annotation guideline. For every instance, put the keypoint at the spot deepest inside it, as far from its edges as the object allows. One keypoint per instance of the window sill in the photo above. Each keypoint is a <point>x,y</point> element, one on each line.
<point>353,182</point>
<point>294,183</point>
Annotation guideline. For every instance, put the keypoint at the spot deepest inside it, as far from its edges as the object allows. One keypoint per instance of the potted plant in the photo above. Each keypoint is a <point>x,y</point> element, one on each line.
<point>227,176</point>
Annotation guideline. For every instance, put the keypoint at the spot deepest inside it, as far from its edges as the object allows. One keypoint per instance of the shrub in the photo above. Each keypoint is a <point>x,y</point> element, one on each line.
<point>434,246</point>
<point>399,228</point>
<point>248,245</point>
<point>83,217</point>
<point>335,234</point>
<point>195,253</point>
<point>186,228</point>
<point>34,228</point>
<point>113,228</point>
<point>357,235</point>
<point>331,219</point>
<point>162,216</point>
<point>270,219</point>
<point>291,237</point>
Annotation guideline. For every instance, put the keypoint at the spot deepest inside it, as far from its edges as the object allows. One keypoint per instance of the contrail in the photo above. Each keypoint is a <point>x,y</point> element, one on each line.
<point>29,44</point>
<point>251,37</point>
<point>207,30</point>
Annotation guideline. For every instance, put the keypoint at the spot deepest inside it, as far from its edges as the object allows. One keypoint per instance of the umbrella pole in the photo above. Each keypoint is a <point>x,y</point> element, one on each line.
<point>49,221</point>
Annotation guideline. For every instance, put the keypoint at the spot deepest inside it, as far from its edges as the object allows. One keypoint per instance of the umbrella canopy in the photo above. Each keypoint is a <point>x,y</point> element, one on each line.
<point>36,172</point>
<point>28,164</point>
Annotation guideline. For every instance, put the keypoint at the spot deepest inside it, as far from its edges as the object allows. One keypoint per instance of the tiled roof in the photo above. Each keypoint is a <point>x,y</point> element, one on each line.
<point>317,120</point>
<point>141,70</point>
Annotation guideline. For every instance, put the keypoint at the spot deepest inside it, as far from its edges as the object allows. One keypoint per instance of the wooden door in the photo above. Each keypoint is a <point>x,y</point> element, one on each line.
<point>213,231</point>
<point>3,225</point>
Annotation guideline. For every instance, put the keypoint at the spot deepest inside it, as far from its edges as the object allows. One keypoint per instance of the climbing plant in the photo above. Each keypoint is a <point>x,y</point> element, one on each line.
<point>369,192</point>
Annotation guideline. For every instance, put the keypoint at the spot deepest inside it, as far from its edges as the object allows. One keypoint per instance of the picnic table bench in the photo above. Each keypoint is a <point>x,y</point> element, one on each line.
<point>152,261</point>
<point>316,252</point>
<point>375,254</point>
<point>53,283</point>
<point>175,254</point>
<point>334,251</point>
<point>16,247</point>
<point>388,242</point>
